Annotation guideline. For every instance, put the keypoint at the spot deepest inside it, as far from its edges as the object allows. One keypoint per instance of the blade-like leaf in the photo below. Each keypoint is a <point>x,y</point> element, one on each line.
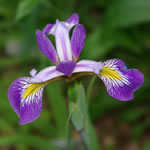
<point>77,116</point>
<point>25,8</point>
<point>124,13</point>
<point>81,121</point>
<point>57,102</point>
<point>27,140</point>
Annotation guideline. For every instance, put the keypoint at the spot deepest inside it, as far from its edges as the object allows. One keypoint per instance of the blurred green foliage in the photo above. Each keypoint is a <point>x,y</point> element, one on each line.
<point>115,29</point>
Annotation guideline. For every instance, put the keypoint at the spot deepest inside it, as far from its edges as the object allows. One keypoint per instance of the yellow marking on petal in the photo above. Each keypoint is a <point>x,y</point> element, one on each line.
<point>110,73</point>
<point>33,88</point>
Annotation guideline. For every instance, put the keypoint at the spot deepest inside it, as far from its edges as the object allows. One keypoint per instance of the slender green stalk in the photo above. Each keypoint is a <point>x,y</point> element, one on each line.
<point>84,139</point>
<point>69,133</point>
<point>90,89</point>
<point>78,111</point>
<point>69,137</point>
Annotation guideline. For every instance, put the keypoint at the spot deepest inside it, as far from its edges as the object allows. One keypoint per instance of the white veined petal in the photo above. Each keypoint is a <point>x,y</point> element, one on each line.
<point>63,43</point>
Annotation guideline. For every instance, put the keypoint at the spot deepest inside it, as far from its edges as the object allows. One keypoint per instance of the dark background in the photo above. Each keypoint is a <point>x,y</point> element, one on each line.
<point>115,29</point>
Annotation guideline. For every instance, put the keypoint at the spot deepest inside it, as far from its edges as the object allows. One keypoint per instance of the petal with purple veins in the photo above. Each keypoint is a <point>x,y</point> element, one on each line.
<point>46,46</point>
<point>25,93</point>
<point>77,40</point>
<point>120,82</point>
<point>26,99</point>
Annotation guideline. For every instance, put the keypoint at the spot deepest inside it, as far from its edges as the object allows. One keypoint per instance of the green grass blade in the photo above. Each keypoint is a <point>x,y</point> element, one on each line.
<point>27,140</point>
<point>57,102</point>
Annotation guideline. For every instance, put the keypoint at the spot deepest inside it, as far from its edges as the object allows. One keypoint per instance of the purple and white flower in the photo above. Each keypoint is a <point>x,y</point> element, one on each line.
<point>25,93</point>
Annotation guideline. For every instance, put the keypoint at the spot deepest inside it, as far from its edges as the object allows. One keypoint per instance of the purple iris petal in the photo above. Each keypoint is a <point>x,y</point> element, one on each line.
<point>33,72</point>
<point>66,67</point>
<point>63,44</point>
<point>47,29</point>
<point>88,66</point>
<point>30,112</point>
<point>46,46</point>
<point>46,74</point>
<point>25,93</point>
<point>120,82</point>
<point>61,32</point>
<point>14,94</point>
<point>73,20</point>
<point>77,40</point>
<point>28,107</point>
<point>70,22</point>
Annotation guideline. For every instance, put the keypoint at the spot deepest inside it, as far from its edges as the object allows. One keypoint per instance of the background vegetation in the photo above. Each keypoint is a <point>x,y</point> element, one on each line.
<point>115,29</point>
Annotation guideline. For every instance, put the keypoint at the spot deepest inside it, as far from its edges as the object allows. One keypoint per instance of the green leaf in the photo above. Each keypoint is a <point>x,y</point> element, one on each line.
<point>25,8</point>
<point>81,98</point>
<point>81,121</point>
<point>123,13</point>
<point>77,116</point>
<point>57,102</point>
<point>71,93</point>
<point>33,141</point>
<point>102,40</point>
<point>91,136</point>
<point>90,87</point>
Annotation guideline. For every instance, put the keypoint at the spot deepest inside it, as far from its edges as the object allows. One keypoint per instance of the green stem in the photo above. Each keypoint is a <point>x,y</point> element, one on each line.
<point>80,118</point>
<point>84,139</point>
<point>69,133</point>
<point>90,89</point>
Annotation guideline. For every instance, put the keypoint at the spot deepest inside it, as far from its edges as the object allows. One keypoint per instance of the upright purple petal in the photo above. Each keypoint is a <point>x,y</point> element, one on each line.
<point>73,20</point>
<point>46,46</point>
<point>66,67</point>
<point>26,99</point>
<point>77,40</point>
<point>48,28</point>
<point>120,82</point>
<point>63,44</point>
<point>69,23</point>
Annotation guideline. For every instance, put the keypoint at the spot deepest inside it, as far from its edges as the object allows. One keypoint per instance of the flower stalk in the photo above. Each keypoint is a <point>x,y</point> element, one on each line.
<point>78,114</point>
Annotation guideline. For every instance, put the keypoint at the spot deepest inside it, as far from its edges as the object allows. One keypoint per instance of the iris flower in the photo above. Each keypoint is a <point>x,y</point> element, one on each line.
<point>25,93</point>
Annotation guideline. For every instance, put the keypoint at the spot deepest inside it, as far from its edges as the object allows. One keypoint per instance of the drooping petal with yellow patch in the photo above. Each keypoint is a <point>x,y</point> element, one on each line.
<point>25,93</point>
<point>26,99</point>
<point>120,82</point>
